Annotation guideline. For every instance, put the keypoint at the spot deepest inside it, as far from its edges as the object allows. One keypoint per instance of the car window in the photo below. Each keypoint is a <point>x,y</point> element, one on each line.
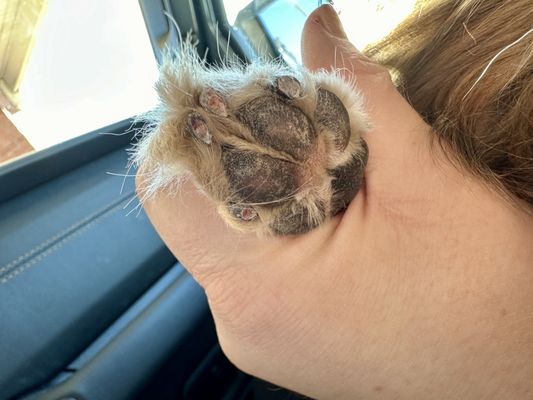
<point>91,64</point>
<point>284,33</point>
<point>283,20</point>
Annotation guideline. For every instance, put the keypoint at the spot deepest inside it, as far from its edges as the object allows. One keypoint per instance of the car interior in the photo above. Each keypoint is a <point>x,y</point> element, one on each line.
<point>92,304</point>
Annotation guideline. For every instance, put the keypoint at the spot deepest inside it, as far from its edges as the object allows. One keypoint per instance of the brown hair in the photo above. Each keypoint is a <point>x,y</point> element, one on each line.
<point>467,67</point>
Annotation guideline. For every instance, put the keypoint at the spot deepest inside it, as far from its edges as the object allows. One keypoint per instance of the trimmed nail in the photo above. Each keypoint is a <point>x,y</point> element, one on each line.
<point>288,86</point>
<point>328,18</point>
<point>213,102</point>
<point>198,127</point>
<point>246,213</point>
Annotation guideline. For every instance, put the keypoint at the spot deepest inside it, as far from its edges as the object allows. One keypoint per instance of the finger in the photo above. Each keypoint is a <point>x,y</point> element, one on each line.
<point>326,46</point>
<point>398,140</point>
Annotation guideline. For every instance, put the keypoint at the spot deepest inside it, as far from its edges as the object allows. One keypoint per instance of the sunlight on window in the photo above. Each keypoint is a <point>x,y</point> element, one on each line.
<point>364,21</point>
<point>232,8</point>
<point>92,65</point>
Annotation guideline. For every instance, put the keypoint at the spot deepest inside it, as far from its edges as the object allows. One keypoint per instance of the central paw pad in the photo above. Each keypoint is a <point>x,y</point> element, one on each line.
<point>279,151</point>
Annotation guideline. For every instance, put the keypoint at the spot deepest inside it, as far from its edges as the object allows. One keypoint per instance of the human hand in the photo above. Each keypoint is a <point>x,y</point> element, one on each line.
<point>420,289</point>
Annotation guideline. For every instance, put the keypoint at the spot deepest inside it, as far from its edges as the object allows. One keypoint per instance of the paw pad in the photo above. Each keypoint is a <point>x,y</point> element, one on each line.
<point>332,115</point>
<point>280,126</point>
<point>259,178</point>
<point>284,153</point>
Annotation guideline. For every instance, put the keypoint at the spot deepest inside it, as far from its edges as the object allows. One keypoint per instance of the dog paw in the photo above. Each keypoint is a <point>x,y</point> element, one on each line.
<point>278,150</point>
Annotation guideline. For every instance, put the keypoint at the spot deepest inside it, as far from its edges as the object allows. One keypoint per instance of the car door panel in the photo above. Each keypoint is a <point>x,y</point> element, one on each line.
<point>71,262</point>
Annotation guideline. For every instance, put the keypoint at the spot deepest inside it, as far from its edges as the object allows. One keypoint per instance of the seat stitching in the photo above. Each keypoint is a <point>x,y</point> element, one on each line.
<point>42,250</point>
<point>57,236</point>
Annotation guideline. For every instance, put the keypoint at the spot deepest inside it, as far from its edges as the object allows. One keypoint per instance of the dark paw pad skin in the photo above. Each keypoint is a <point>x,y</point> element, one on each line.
<point>279,151</point>
<point>296,219</point>
<point>279,125</point>
<point>347,179</point>
<point>332,115</point>
<point>259,178</point>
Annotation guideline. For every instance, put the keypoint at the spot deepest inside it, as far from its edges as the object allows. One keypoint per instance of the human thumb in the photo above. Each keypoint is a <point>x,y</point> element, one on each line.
<point>398,132</point>
<point>326,46</point>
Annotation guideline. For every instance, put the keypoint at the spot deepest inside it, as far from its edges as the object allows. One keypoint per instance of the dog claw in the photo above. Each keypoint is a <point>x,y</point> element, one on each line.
<point>197,126</point>
<point>213,102</point>
<point>246,213</point>
<point>288,86</point>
